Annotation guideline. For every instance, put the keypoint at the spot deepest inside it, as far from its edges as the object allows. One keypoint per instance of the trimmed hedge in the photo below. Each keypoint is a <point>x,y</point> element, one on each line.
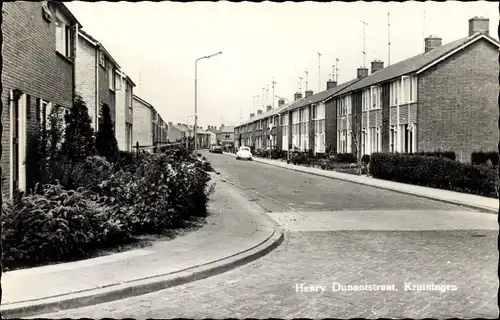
<point>436,172</point>
<point>481,157</point>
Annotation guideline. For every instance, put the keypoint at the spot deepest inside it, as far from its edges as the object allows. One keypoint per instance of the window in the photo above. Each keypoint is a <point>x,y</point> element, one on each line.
<point>408,91</point>
<point>63,37</point>
<point>394,92</point>
<point>111,78</point>
<point>102,59</point>
<point>375,98</point>
<point>227,136</point>
<point>28,106</point>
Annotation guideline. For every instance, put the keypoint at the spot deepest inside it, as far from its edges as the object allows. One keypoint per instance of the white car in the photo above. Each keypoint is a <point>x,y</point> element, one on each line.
<point>244,153</point>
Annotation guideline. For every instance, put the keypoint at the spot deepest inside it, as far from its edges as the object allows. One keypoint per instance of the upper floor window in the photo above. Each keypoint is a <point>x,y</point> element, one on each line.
<point>63,36</point>
<point>102,59</point>
<point>394,92</point>
<point>314,111</point>
<point>375,97</point>
<point>112,83</point>
<point>409,86</point>
<point>227,136</point>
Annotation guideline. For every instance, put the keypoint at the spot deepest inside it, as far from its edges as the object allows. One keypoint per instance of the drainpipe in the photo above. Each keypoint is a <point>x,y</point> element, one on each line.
<point>97,88</point>
<point>75,53</point>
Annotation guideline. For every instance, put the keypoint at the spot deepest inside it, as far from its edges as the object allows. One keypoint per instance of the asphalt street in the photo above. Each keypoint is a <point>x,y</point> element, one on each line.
<point>349,251</point>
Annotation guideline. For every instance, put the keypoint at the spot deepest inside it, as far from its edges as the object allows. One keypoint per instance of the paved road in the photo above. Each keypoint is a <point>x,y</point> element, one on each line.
<point>340,234</point>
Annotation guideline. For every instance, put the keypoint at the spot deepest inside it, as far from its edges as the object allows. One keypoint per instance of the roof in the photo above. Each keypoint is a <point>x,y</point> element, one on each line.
<point>143,102</point>
<point>272,112</point>
<point>225,129</point>
<point>96,43</point>
<point>323,95</point>
<point>124,75</point>
<point>64,9</point>
<point>416,63</point>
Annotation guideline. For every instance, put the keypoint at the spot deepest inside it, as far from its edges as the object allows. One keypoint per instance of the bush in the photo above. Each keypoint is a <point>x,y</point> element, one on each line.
<point>61,224</point>
<point>485,157</point>
<point>365,159</point>
<point>106,144</point>
<point>345,158</point>
<point>436,172</point>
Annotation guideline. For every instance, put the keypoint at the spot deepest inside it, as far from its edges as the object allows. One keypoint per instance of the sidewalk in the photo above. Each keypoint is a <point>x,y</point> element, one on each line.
<point>237,231</point>
<point>484,204</point>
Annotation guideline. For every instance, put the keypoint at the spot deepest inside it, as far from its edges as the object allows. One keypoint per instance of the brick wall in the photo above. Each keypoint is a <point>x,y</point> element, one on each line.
<point>457,102</point>
<point>105,94</point>
<point>85,77</point>
<point>142,124</point>
<point>331,124</point>
<point>31,64</point>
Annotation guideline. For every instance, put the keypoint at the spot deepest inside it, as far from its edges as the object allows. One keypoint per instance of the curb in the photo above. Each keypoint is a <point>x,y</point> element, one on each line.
<point>147,285</point>
<point>454,202</point>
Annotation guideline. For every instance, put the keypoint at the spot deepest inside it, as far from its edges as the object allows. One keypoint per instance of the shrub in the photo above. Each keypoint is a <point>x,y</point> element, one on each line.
<point>61,224</point>
<point>437,172</point>
<point>106,144</point>
<point>345,158</point>
<point>127,161</point>
<point>483,158</point>
<point>79,142</point>
<point>365,159</point>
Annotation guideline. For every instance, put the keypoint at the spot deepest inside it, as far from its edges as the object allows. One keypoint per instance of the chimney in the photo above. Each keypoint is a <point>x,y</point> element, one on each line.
<point>330,84</point>
<point>479,25</point>
<point>309,93</point>
<point>362,72</point>
<point>259,111</point>
<point>297,96</point>
<point>377,65</point>
<point>269,108</point>
<point>432,42</point>
<point>221,126</point>
<point>281,102</point>
<point>252,115</point>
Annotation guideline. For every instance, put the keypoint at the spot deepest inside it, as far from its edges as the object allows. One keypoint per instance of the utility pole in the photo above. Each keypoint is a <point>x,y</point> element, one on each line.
<point>389,37</point>
<point>306,80</point>
<point>273,91</point>
<point>319,72</point>
<point>337,70</point>
<point>333,73</point>
<point>364,42</point>
<point>300,84</point>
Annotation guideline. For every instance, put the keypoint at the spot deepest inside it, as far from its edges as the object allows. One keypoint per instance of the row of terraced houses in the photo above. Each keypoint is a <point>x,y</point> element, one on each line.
<point>442,99</point>
<point>47,59</point>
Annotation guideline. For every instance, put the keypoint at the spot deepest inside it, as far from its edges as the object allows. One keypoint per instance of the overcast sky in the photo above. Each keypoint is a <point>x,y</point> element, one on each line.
<point>156,44</point>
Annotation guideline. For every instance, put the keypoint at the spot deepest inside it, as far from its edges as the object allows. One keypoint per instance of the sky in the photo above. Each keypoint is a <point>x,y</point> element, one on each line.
<point>156,44</point>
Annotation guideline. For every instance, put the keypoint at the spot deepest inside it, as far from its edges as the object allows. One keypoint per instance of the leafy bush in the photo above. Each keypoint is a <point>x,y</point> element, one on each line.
<point>365,159</point>
<point>127,161</point>
<point>485,157</point>
<point>61,224</point>
<point>106,144</point>
<point>437,172</point>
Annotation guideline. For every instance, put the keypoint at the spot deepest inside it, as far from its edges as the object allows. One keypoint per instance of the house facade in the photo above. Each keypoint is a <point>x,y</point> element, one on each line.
<point>225,136</point>
<point>212,131</point>
<point>95,77</point>
<point>143,123</point>
<point>444,98</point>
<point>36,36</point>
<point>176,132</point>
<point>124,115</point>
<point>433,101</point>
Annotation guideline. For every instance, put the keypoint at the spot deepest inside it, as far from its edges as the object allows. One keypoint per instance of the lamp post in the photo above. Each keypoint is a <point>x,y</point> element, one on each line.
<point>196,96</point>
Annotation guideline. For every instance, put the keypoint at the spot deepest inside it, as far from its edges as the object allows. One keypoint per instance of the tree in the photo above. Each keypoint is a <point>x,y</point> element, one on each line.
<point>79,140</point>
<point>106,144</point>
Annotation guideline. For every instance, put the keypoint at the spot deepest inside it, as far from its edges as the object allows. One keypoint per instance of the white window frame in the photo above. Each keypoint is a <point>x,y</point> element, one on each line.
<point>407,89</point>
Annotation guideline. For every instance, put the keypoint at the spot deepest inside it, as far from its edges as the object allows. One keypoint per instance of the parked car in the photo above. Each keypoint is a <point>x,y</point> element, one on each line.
<point>216,149</point>
<point>244,153</point>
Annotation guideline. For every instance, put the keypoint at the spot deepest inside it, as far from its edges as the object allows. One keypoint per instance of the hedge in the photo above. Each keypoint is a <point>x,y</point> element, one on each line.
<point>441,154</point>
<point>436,172</point>
<point>483,157</point>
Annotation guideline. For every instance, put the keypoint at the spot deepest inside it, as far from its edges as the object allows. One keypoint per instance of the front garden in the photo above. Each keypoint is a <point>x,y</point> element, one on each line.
<point>438,169</point>
<point>86,196</point>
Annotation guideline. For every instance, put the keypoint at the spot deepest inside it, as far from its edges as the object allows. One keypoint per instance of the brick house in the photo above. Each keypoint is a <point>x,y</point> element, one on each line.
<point>225,136</point>
<point>143,122</point>
<point>124,115</point>
<point>159,128</point>
<point>38,74</point>
<point>95,76</point>
<point>444,98</point>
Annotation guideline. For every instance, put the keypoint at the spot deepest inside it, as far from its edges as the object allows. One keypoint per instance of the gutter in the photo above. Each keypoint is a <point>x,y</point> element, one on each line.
<point>96,88</point>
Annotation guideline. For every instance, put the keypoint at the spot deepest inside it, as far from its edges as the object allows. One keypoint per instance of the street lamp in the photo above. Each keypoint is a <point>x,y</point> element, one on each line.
<point>196,96</point>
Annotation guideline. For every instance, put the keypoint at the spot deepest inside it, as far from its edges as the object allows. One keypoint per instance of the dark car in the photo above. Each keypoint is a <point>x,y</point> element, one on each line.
<point>217,149</point>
